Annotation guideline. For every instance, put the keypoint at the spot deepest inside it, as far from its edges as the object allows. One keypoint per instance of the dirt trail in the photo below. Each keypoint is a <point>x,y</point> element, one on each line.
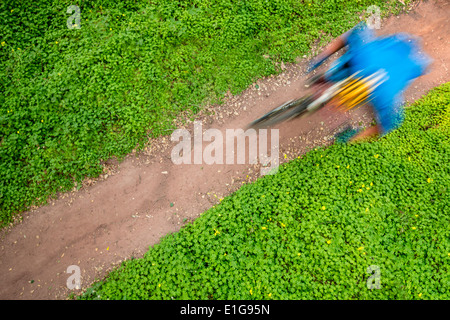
<point>146,196</point>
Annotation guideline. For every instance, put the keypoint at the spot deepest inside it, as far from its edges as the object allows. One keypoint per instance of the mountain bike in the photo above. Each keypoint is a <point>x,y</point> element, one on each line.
<point>352,92</point>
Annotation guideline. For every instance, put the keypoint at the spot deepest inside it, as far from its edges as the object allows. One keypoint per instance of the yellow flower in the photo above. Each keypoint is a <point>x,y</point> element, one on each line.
<point>251,292</point>
<point>216,232</point>
<point>3,43</point>
<point>416,215</point>
<point>360,248</point>
<point>17,131</point>
<point>323,208</point>
<point>329,241</point>
<point>367,209</point>
<point>110,29</point>
<point>300,254</point>
<point>362,186</point>
<point>348,166</point>
<point>12,10</point>
<point>42,120</point>
<point>264,228</point>
<point>420,295</point>
<point>282,224</point>
<point>371,184</point>
<point>159,285</point>
<point>429,180</point>
<point>367,188</point>
<point>285,156</point>
<point>359,190</point>
<point>376,156</point>
<point>56,42</point>
<point>414,228</point>
<point>337,167</point>
<point>269,295</point>
<point>351,182</point>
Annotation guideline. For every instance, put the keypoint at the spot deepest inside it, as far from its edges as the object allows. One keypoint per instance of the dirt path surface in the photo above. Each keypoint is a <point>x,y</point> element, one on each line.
<point>134,203</point>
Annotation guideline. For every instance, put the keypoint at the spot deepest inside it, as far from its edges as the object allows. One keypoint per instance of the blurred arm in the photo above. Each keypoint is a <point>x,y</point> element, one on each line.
<point>333,47</point>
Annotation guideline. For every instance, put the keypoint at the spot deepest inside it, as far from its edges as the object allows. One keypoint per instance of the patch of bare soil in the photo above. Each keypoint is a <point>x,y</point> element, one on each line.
<point>135,203</point>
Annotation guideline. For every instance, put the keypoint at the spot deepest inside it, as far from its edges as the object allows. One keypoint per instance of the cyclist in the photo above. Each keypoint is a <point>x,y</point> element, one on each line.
<point>393,61</point>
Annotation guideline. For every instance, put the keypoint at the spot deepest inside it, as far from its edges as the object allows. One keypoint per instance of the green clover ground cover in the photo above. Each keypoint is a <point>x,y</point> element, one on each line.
<point>70,99</point>
<point>311,230</point>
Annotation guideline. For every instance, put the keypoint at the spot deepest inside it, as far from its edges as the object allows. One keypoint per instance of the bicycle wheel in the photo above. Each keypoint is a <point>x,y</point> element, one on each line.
<point>285,112</point>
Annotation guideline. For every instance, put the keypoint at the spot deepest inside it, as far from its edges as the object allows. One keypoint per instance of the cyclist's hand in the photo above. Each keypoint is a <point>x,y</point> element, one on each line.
<point>314,64</point>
